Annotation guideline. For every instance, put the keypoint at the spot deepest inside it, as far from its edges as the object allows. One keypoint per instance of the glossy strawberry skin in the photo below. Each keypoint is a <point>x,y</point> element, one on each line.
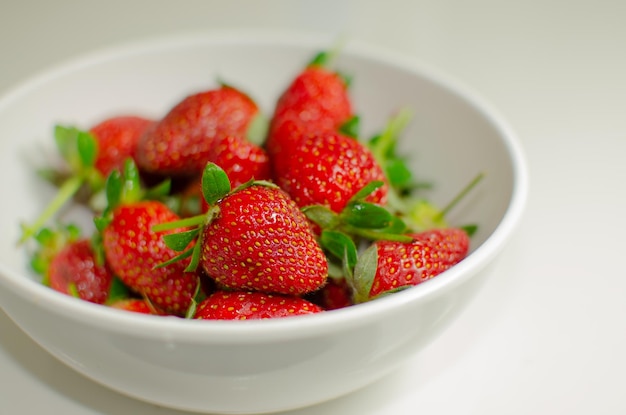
<point>431,253</point>
<point>261,241</point>
<point>317,96</point>
<point>245,305</point>
<point>133,251</point>
<point>117,139</point>
<point>241,160</point>
<point>180,143</point>
<point>328,169</point>
<point>317,100</point>
<point>76,265</point>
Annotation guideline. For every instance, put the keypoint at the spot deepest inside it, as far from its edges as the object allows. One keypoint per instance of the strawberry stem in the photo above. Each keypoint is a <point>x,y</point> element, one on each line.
<point>67,190</point>
<point>460,196</point>
<point>182,223</point>
<point>377,235</point>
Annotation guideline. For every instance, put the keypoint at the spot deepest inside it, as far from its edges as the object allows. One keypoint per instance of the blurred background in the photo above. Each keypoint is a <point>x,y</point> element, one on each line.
<point>547,335</point>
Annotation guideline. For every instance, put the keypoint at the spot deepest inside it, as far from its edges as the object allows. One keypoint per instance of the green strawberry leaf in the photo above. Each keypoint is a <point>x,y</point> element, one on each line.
<point>215,183</point>
<point>195,256</point>
<point>185,254</point>
<point>470,229</point>
<point>351,127</point>
<point>65,140</point>
<point>160,191</point>
<point>364,274</point>
<point>117,291</point>
<point>341,246</point>
<point>114,188</point>
<point>198,296</point>
<point>132,190</point>
<point>396,226</point>
<point>180,241</point>
<point>87,148</point>
<point>399,174</point>
<point>320,59</point>
<point>321,215</point>
<point>366,215</point>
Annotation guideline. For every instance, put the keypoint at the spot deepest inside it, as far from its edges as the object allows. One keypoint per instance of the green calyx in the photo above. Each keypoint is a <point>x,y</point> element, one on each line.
<point>79,150</point>
<point>351,127</point>
<point>362,279</point>
<point>360,219</point>
<point>215,187</point>
<point>124,187</point>
<point>324,59</point>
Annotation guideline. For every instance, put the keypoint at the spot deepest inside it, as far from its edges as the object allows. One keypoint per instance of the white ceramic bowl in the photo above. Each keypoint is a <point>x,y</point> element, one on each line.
<point>255,366</point>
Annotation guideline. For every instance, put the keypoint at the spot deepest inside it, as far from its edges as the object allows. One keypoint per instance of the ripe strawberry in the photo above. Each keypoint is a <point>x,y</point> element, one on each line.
<point>117,139</point>
<point>135,252</point>
<point>70,265</point>
<point>329,169</point>
<point>316,100</point>
<point>262,241</point>
<point>241,159</point>
<point>180,143</point>
<point>254,237</point>
<point>387,266</point>
<point>246,305</point>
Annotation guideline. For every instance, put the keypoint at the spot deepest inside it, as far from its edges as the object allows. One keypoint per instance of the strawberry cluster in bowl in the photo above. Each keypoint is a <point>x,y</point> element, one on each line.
<point>286,189</point>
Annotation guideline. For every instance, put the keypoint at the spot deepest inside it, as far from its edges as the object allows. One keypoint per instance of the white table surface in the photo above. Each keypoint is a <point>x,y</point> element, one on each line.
<point>547,334</point>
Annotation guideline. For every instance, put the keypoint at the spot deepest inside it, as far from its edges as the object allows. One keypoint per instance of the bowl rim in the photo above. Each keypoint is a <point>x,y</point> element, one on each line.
<point>287,328</point>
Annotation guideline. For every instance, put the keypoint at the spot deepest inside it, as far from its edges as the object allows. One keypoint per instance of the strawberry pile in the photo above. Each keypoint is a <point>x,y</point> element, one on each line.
<point>216,212</point>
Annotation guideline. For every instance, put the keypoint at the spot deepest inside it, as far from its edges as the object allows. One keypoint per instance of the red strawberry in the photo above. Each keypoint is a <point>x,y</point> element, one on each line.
<point>315,101</point>
<point>134,250</point>
<point>180,143</point>
<point>254,237</point>
<point>70,265</point>
<point>388,265</point>
<point>76,268</point>
<point>261,241</point>
<point>244,305</point>
<point>241,159</point>
<point>329,169</point>
<point>117,139</point>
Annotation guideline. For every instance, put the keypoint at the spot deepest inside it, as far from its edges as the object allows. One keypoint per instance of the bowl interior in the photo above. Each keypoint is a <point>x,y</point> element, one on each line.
<point>452,136</point>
